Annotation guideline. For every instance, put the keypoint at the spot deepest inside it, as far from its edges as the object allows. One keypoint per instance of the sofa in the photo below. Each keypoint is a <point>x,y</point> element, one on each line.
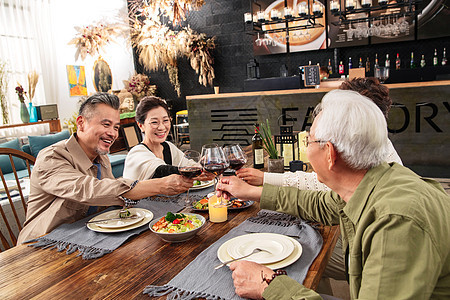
<point>36,144</point>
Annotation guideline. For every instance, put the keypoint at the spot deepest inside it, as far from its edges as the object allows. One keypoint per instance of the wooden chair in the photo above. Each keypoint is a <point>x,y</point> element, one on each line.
<point>9,239</point>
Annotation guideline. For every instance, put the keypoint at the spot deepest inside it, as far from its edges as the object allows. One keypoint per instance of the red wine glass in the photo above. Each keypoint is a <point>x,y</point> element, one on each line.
<point>214,161</point>
<point>236,156</point>
<point>190,167</point>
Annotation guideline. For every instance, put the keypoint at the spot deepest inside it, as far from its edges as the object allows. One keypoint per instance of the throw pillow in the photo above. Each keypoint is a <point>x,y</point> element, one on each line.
<point>37,143</point>
<point>5,163</point>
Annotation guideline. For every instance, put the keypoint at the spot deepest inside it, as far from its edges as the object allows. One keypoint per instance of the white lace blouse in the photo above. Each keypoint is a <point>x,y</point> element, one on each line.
<point>309,181</point>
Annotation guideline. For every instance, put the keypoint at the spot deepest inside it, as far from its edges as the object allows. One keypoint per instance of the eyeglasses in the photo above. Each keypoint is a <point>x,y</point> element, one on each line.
<point>306,141</point>
<point>155,124</point>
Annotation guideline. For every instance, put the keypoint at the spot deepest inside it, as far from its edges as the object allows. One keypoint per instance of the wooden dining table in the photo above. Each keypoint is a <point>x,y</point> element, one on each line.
<point>30,273</point>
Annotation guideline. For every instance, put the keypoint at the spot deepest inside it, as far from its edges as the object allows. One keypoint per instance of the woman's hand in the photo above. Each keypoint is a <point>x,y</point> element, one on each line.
<point>251,176</point>
<point>175,184</point>
<point>248,278</point>
<point>230,186</point>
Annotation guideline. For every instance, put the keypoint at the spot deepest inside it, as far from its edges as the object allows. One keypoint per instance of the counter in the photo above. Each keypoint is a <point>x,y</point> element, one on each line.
<point>419,121</point>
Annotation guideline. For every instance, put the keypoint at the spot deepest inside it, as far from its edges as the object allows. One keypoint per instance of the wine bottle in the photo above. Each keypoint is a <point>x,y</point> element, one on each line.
<point>435,58</point>
<point>257,149</point>
<point>360,65</point>
<point>422,61</point>
<point>388,62</point>
<point>376,65</point>
<point>367,65</point>
<point>330,68</point>
<point>397,62</point>
<point>444,58</point>
<point>341,68</point>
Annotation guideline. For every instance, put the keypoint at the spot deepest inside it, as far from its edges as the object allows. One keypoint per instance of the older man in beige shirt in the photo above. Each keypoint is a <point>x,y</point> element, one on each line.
<point>73,175</point>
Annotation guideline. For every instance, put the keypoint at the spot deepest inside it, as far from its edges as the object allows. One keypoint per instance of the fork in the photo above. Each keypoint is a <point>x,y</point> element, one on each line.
<point>256,250</point>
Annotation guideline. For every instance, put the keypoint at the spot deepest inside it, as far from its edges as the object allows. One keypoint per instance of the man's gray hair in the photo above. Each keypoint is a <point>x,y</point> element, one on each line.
<point>87,108</point>
<point>355,126</point>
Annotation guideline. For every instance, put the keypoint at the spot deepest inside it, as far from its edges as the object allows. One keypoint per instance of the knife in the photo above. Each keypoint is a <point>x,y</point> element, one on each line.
<point>113,219</point>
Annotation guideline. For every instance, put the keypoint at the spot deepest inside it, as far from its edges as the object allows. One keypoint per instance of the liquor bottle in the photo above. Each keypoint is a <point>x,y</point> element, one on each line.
<point>341,68</point>
<point>397,62</point>
<point>376,65</point>
<point>360,65</point>
<point>257,149</point>
<point>330,68</point>
<point>422,61</point>
<point>387,64</point>
<point>350,65</point>
<point>411,64</point>
<point>367,65</point>
<point>444,58</point>
<point>435,58</point>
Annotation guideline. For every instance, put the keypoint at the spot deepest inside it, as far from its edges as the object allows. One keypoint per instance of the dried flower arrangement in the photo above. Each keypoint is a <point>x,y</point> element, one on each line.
<point>33,78</point>
<point>91,39</point>
<point>175,10</point>
<point>139,86</point>
<point>159,47</point>
<point>20,92</point>
<point>3,91</point>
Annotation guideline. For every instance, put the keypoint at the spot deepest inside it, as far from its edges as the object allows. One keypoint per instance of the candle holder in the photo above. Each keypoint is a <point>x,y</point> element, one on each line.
<point>287,13</point>
<point>302,10</point>
<point>248,18</point>
<point>334,6</point>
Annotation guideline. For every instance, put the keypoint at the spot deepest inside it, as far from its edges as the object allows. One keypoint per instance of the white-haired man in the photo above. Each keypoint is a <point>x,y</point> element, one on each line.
<point>394,224</point>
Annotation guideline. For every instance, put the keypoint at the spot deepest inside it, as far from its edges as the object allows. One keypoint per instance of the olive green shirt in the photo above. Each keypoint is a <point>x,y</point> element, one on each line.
<point>395,227</point>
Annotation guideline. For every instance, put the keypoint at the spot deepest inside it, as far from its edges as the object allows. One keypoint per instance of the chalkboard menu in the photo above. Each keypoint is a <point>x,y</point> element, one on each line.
<point>311,76</point>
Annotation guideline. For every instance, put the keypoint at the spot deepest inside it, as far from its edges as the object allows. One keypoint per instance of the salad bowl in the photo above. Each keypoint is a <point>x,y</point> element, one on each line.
<point>176,237</point>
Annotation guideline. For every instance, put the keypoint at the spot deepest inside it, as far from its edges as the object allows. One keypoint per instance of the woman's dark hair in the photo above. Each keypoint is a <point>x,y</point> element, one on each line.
<point>147,104</point>
<point>87,108</point>
<point>372,89</point>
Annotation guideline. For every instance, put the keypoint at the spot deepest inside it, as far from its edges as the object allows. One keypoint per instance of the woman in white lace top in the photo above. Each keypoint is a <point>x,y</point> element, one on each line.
<point>369,87</point>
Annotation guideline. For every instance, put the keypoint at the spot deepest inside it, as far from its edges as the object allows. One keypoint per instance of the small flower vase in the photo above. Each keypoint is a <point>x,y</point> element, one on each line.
<point>276,165</point>
<point>32,112</point>
<point>24,115</point>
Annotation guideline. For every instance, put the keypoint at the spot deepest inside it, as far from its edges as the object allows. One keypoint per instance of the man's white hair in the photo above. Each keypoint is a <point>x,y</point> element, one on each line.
<point>355,126</point>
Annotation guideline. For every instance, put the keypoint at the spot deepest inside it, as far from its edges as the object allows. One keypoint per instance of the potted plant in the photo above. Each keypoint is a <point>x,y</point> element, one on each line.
<point>275,162</point>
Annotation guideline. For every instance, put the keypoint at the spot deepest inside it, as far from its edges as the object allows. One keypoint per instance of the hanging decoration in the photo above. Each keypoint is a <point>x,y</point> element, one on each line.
<point>91,39</point>
<point>159,46</point>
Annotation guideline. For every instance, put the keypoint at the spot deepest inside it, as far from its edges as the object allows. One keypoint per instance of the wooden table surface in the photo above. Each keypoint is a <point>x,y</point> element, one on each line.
<point>29,273</point>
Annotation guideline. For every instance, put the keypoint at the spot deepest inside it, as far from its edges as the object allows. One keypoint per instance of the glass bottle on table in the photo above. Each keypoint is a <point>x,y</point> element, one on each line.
<point>257,150</point>
<point>190,167</point>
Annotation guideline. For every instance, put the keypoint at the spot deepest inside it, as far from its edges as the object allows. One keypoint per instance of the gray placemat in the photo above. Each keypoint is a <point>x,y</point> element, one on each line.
<point>199,279</point>
<point>91,244</point>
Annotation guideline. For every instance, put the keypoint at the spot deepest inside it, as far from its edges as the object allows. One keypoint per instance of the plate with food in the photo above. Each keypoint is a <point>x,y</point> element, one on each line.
<point>177,227</point>
<point>202,204</point>
<point>111,221</point>
<point>198,185</point>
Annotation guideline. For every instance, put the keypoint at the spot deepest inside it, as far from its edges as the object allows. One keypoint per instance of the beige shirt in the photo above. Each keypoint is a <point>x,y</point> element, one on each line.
<point>64,184</point>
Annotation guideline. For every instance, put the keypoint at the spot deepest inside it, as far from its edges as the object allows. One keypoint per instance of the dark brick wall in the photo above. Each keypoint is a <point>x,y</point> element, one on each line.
<point>224,19</point>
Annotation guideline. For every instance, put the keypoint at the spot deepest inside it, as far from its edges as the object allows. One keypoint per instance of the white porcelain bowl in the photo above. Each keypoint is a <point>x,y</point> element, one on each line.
<point>181,236</point>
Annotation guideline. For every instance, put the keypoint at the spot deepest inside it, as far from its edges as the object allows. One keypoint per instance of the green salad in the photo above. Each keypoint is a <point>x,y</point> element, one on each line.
<point>176,223</point>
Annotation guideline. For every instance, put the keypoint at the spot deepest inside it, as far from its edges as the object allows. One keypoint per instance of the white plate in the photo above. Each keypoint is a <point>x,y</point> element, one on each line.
<point>147,217</point>
<point>118,223</point>
<point>203,185</point>
<point>223,255</point>
<point>278,246</point>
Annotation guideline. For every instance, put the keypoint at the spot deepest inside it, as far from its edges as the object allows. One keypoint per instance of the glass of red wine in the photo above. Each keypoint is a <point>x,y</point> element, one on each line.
<point>214,161</point>
<point>236,156</point>
<point>190,167</point>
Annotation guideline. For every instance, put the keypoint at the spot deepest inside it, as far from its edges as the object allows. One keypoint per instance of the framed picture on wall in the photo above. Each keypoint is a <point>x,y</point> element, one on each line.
<point>102,76</point>
<point>283,30</point>
<point>76,76</point>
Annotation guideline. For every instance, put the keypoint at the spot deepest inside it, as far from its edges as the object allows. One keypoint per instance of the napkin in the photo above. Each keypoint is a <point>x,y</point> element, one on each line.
<point>200,279</point>
<point>91,244</point>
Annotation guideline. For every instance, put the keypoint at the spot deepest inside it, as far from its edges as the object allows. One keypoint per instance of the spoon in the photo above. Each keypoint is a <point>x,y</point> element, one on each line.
<point>256,250</point>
